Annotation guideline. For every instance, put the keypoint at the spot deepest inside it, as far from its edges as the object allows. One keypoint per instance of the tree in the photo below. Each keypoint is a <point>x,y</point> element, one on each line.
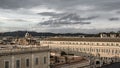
<point>112,32</point>
<point>118,32</point>
<point>63,53</point>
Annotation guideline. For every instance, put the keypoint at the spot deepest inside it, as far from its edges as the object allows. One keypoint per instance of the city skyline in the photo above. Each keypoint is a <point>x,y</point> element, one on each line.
<point>60,16</point>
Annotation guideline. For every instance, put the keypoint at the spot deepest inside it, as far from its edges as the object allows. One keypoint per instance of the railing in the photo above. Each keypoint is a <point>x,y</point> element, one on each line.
<point>23,50</point>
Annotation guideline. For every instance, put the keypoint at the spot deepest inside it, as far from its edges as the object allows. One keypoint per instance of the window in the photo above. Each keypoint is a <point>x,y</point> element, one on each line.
<point>80,49</point>
<point>87,49</point>
<point>102,50</point>
<point>96,50</point>
<point>112,51</point>
<point>115,51</point>
<point>92,49</point>
<point>117,44</point>
<point>80,43</point>
<point>7,64</point>
<point>97,43</point>
<point>36,61</point>
<point>83,49</point>
<point>27,62</point>
<point>88,43</point>
<point>84,43</point>
<point>102,43</point>
<point>76,43</point>
<point>112,44</point>
<point>106,50</point>
<point>17,63</point>
<point>92,44</point>
<point>44,60</point>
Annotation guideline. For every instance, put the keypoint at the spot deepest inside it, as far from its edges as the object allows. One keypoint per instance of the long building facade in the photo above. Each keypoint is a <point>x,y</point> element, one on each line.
<point>101,50</point>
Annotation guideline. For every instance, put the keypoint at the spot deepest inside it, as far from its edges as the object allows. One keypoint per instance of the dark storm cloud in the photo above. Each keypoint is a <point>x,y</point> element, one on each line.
<point>31,3</point>
<point>13,4</point>
<point>114,19</point>
<point>68,19</point>
<point>111,5</point>
<point>53,14</point>
<point>61,4</point>
<point>92,17</point>
<point>68,16</point>
<point>52,22</point>
<point>76,17</point>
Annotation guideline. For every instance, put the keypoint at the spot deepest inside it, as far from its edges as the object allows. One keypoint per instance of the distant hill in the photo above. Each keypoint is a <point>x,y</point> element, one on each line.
<point>22,33</point>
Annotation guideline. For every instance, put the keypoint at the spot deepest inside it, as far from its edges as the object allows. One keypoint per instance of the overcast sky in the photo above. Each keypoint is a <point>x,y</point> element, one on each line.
<point>66,16</point>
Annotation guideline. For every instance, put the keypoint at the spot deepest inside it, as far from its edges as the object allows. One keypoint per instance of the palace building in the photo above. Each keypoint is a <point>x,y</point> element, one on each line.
<point>102,50</point>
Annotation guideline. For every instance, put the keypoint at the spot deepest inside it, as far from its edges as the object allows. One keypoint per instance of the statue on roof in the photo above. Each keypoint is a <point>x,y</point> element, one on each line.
<point>28,36</point>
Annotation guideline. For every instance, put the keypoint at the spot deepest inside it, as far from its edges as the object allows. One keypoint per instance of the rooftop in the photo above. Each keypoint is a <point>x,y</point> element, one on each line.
<point>90,39</point>
<point>13,51</point>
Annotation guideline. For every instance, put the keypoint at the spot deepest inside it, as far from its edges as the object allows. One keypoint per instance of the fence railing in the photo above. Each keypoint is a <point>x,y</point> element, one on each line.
<point>23,49</point>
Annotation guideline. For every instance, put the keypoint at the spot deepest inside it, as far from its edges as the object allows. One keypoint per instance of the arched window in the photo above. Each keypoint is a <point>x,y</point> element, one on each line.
<point>112,51</point>
<point>112,44</point>
<point>97,62</point>
<point>97,43</point>
<point>117,44</point>
<point>84,43</point>
<point>96,50</point>
<point>102,43</point>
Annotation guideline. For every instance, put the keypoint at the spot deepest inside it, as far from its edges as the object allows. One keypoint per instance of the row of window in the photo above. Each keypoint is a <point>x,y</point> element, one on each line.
<point>84,43</point>
<point>27,63</point>
<point>112,51</point>
<point>100,50</point>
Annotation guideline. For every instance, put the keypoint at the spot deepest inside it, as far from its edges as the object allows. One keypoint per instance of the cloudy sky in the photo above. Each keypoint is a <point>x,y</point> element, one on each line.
<point>66,16</point>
